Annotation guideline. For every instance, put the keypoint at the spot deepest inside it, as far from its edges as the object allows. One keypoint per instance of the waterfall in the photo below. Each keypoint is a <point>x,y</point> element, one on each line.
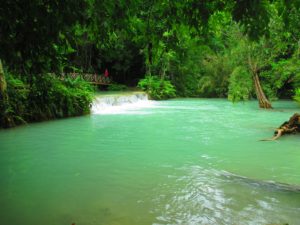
<point>121,103</point>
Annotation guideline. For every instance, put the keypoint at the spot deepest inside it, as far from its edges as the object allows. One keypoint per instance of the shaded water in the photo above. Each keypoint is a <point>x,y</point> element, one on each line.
<point>184,161</point>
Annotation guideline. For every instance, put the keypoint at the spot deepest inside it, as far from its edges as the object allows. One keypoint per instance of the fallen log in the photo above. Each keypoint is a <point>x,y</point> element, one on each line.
<point>288,127</point>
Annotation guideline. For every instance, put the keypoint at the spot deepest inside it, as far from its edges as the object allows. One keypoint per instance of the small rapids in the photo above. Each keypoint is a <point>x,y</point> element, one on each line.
<point>129,103</point>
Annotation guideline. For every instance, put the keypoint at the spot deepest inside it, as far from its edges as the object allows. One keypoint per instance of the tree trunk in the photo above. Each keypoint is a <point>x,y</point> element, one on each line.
<point>148,34</point>
<point>5,117</point>
<point>3,84</point>
<point>288,127</point>
<point>149,59</point>
<point>261,97</point>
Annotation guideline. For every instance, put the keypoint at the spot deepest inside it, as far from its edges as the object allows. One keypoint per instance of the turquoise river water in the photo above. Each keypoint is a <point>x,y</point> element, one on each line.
<point>182,161</point>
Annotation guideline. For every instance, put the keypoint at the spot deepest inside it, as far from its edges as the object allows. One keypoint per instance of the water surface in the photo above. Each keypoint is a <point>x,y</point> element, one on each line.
<point>184,161</point>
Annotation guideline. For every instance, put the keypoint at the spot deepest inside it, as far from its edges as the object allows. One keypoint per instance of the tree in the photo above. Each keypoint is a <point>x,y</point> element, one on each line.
<point>256,60</point>
<point>30,29</point>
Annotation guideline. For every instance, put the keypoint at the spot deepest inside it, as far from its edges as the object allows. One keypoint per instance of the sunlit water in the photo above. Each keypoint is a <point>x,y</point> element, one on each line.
<point>184,161</point>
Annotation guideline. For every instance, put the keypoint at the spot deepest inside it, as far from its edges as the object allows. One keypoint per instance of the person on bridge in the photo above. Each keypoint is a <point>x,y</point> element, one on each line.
<point>106,73</point>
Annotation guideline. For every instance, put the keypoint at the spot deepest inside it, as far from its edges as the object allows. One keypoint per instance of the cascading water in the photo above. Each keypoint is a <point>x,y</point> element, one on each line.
<point>121,103</point>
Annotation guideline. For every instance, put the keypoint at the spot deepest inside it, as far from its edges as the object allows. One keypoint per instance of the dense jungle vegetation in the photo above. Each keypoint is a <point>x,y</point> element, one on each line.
<point>238,50</point>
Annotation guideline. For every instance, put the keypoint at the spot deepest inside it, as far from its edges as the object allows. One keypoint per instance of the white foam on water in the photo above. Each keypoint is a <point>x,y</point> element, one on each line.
<point>122,104</point>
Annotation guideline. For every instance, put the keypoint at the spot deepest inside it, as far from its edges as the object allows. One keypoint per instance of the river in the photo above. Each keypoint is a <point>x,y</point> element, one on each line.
<point>182,161</point>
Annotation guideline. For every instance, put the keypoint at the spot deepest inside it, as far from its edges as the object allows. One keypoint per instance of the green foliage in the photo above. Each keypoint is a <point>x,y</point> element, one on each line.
<point>214,81</point>
<point>18,93</point>
<point>32,29</point>
<point>47,98</point>
<point>117,87</point>
<point>52,98</point>
<point>13,105</point>
<point>203,48</point>
<point>157,88</point>
<point>184,67</point>
<point>297,95</point>
<point>254,14</point>
<point>240,85</point>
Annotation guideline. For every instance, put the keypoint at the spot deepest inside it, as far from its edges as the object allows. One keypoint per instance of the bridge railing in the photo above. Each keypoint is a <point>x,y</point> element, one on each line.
<point>91,78</point>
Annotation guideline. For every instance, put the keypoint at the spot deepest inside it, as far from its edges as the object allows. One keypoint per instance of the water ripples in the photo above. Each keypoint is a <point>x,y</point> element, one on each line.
<point>207,196</point>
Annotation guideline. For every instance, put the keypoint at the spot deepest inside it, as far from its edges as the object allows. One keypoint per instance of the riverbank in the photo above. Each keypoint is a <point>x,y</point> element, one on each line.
<point>49,98</point>
<point>45,98</point>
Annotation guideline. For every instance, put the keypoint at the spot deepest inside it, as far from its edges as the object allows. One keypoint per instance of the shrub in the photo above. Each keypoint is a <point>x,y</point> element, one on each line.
<point>240,85</point>
<point>48,97</point>
<point>52,98</point>
<point>117,87</point>
<point>297,95</point>
<point>17,107</point>
<point>157,88</point>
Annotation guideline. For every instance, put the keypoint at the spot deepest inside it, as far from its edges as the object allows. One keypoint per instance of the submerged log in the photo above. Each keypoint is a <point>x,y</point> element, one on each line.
<point>288,127</point>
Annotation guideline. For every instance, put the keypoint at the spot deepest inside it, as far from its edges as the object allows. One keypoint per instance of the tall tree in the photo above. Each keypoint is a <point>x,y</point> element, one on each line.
<point>29,30</point>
